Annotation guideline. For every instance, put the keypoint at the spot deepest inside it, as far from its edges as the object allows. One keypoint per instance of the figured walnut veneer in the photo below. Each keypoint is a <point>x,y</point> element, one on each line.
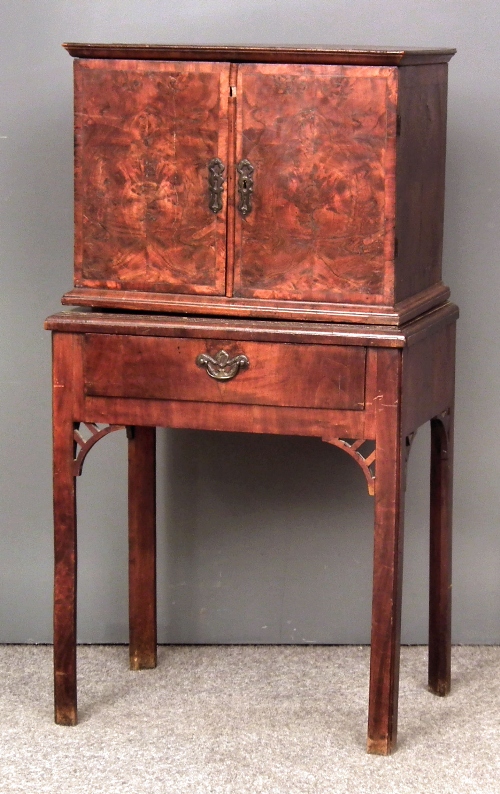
<point>254,190</point>
<point>322,140</point>
<point>142,216</point>
<point>345,151</point>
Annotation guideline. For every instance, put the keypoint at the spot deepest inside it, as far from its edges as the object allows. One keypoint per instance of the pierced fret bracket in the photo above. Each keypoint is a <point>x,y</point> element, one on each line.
<point>363,451</point>
<point>86,442</point>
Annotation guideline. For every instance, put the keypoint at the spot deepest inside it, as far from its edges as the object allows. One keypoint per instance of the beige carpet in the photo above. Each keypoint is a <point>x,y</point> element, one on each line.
<point>235,720</point>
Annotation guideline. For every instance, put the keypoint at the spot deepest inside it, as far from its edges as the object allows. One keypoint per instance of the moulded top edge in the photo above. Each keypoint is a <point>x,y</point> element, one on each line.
<point>378,56</point>
<point>88,320</point>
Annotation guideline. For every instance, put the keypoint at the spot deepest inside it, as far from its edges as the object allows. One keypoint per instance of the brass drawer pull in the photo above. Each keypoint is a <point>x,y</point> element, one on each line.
<point>222,367</point>
<point>245,171</point>
<point>215,184</point>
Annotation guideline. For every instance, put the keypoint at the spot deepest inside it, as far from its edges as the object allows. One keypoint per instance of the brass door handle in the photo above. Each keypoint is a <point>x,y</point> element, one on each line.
<point>215,184</point>
<point>245,171</point>
<point>222,367</point>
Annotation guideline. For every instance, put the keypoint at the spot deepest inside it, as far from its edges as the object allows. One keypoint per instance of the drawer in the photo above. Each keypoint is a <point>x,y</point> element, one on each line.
<point>280,374</point>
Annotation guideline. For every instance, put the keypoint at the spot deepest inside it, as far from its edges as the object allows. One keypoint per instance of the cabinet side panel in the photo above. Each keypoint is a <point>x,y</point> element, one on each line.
<point>145,134</point>
<point>421,152</point>
<point>321,140</point>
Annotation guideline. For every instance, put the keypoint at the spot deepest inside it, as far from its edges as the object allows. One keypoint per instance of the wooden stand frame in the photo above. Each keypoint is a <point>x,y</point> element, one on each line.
<point>382,383</point>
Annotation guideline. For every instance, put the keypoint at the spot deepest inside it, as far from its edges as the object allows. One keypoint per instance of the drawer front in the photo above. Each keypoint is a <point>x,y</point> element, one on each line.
<point>302,376</point>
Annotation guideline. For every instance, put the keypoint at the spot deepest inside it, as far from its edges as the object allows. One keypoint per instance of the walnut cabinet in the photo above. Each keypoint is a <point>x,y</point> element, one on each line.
<point>298,184</point>
<point>225,197</point>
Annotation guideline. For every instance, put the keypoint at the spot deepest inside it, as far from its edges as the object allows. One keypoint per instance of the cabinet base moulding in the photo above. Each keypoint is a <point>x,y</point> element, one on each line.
<point>370,314</point>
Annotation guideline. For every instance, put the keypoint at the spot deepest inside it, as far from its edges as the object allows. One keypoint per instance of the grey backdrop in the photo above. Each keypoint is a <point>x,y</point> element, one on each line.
<point>261,539</point>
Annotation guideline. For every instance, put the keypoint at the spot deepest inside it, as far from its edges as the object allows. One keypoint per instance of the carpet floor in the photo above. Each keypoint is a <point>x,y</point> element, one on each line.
<point>241,719</point>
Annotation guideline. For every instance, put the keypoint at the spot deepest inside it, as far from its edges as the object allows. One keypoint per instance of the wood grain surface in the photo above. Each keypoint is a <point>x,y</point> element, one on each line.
<point>85,321</point>
<point>322,143</point>
<point>144,136</point>
<point>142,547</point>
<point>65,352</point>
<point>375,56</point>
<point>387,557</point>
<point>356,313</point>
<point>420,177</point>
<point>331,382</point>
<point>348,168</point>
<point>302,376</point>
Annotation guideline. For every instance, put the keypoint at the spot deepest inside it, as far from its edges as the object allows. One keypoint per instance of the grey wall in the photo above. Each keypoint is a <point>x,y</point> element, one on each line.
<point>261,539</point>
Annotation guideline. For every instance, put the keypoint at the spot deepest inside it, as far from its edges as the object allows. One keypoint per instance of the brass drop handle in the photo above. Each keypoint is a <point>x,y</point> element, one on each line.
<point>222,367</point>
<point>245,171</point>
<point>215,184</point>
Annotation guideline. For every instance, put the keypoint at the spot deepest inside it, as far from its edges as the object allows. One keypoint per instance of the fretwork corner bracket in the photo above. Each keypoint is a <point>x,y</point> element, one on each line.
<point>85,443</point>
<point>363,451</point>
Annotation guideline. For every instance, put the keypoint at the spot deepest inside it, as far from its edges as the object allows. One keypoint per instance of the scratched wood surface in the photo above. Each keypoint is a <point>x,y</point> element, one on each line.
<point>121,369</point>
<point>375,56</point>
<point>145,133</point>
<point>420,178</point>
<point>322,142</point>
<point>306,376</point>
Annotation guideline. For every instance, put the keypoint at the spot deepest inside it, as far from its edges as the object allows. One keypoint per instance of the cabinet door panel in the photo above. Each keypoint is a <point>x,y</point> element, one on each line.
<point>321,140</point>
<point>145,134</point>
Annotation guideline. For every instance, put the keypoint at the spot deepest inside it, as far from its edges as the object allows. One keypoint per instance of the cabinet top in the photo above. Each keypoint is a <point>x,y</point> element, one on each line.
<point>371,56</point>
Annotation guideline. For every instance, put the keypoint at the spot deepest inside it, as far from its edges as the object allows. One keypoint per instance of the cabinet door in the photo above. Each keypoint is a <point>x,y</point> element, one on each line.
<point>146,133</point>
<point>321,141</point>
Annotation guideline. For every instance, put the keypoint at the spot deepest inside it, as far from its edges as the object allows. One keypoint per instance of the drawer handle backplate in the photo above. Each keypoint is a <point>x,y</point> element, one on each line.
<point>222,367</point>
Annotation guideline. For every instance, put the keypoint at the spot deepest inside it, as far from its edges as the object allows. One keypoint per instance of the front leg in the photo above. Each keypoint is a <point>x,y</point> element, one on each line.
<point>64,532</point>
<point>142,546</point>
<point>388,557</point>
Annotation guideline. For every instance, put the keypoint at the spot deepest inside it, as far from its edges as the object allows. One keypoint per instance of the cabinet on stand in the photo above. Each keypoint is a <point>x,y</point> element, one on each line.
<point>258,238</point>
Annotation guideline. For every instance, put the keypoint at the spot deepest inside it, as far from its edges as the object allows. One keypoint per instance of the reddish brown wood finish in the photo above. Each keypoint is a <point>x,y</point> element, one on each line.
<point>399,314</point>
<point>81,322</point>
<point>388,557</point>
<point>142,546</point>
<point>235,418</point>
<point>145,134</point>
<point>65,694</point>
<point>440,553</point>
<point>421,156</point>
<point>408,379</point>
<point>305,376</point>
<point>428,376</point>
<point>348,150</point>
<point>376,56</point>
<point>322,142</point>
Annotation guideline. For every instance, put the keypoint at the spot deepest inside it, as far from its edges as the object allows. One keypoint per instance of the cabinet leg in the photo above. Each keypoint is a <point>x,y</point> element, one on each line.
<point>64,535</point>
<point>142,547</point>
<point>387,563</point>
<point>440,554</point>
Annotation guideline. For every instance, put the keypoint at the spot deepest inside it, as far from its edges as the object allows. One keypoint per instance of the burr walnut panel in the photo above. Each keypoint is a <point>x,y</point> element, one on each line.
<point>143,219</point>
<point>279,183</point>
<point>321,140</point>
